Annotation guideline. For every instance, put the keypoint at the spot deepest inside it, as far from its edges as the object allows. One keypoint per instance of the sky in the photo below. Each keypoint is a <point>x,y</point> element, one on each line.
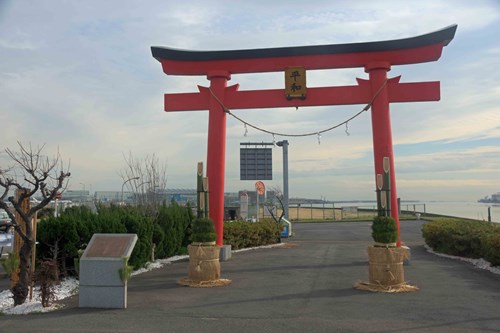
<point>79,76</point>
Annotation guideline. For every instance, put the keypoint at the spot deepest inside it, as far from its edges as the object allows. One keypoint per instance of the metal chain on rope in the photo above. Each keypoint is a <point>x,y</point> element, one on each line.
<point>318,133</point>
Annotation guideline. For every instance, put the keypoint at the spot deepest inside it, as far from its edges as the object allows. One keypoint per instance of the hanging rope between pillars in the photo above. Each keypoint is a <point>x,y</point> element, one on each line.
<point>366,108</point>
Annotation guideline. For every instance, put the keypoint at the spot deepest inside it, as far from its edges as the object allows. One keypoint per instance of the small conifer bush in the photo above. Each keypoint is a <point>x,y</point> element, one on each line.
<point>384,229</point>
<point>203,230</point>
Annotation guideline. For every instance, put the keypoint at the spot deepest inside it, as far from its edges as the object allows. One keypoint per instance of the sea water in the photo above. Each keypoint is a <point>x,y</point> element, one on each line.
<point>472,210</point>
<point>466,209</point>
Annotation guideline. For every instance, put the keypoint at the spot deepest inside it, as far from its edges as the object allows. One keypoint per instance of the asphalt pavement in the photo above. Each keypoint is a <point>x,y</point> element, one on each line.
<point>304,287</point>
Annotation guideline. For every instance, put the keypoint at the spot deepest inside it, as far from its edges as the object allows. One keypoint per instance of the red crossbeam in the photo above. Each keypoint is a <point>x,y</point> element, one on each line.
<point>275,98</point>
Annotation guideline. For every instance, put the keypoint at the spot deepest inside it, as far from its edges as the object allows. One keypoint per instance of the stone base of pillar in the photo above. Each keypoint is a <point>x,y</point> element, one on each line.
<point>225,253</point>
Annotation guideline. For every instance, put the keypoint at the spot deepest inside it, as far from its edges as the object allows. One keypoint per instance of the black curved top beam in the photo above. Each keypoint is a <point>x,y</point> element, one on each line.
<point>443,36</point>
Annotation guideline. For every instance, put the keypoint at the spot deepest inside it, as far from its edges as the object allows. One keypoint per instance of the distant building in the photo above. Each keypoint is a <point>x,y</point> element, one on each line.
<point>76,196</point>
<point>111,196</point>
<point>495,198</point>
<point>180,195</point>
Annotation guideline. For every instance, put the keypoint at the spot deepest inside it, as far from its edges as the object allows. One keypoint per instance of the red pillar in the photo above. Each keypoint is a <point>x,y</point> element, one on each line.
<point>216,151</point>
<point>382,132</point>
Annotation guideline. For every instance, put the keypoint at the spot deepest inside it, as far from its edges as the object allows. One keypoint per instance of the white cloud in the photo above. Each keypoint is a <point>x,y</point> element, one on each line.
<point>18,44</point>
<point>80,75</point>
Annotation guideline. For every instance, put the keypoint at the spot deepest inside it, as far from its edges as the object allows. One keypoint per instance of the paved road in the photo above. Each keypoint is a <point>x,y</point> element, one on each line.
<point>307,288</point>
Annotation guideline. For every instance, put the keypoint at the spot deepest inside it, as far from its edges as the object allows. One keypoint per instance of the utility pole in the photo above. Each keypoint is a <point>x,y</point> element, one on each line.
<point>284,145</point>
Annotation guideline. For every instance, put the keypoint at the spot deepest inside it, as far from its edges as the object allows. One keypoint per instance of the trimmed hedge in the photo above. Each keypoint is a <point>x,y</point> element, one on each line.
<point>142,226</point>
<point>241,234</point>
<point>492,247</point>
<point>61,238</point>
<point>464,238</point>
<point>172,229</point>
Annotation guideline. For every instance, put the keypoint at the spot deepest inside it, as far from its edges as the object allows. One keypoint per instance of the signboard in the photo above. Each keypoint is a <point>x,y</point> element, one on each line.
<point>260,188</point>
<point>295,82</point>
<point>101,284</point>
<point>256,164</point>
<point>110,246</point>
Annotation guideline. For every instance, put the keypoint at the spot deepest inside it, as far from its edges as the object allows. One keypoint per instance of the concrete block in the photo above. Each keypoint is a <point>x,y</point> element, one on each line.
<point>100,272</point>
<point>100,264</point>
<point>225,253</point>
<point>103,297</point>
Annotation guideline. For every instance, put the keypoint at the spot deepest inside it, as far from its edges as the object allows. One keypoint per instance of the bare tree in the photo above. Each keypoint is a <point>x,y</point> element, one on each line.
<point>147,179</point>
<point>31,173</point>
<point>275,203</point>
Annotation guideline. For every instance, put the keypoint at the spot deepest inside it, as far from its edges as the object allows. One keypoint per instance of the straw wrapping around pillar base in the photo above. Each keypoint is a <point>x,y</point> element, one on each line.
<point>386,272</point>
<point>204,267</point>
<point>204,262</point>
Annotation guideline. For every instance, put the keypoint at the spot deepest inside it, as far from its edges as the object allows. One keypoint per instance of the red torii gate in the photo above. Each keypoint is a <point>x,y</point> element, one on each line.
<point>376,58</point>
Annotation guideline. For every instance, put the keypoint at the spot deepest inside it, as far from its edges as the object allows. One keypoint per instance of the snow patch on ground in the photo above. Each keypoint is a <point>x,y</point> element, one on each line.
<point>259,247</point>
<point>159,264</point>
<point>68,287</point>
<point>479,263</point>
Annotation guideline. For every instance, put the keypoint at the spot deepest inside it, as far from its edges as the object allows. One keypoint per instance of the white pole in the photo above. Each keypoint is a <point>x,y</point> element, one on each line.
<point>257,194</point>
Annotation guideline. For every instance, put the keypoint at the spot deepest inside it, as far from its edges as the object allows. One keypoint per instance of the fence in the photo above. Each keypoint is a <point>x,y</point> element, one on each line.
<point>331,212</point>
<point>328,212</point>
<point>413,208</point>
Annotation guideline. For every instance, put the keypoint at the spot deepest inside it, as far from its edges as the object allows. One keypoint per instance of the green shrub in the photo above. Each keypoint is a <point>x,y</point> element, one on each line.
<point>464,238</point>
<point>491,247</point>
<point>241,234</point>
<point>236,234</point>
<point>384,229</point>
<point>61,238</point>
<point>142,226</point>
<point>203,230</point>
<point>126,270</point>
<point>172,227</point>
<point>159,241</point>
<point>456,237</point>
<point>108,220</point>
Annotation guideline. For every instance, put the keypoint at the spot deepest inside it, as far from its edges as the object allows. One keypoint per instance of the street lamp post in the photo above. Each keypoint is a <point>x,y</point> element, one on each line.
<point>147,182</point>
<point>125,182</point>
<point>284,145</point>
<point>142,191</point>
